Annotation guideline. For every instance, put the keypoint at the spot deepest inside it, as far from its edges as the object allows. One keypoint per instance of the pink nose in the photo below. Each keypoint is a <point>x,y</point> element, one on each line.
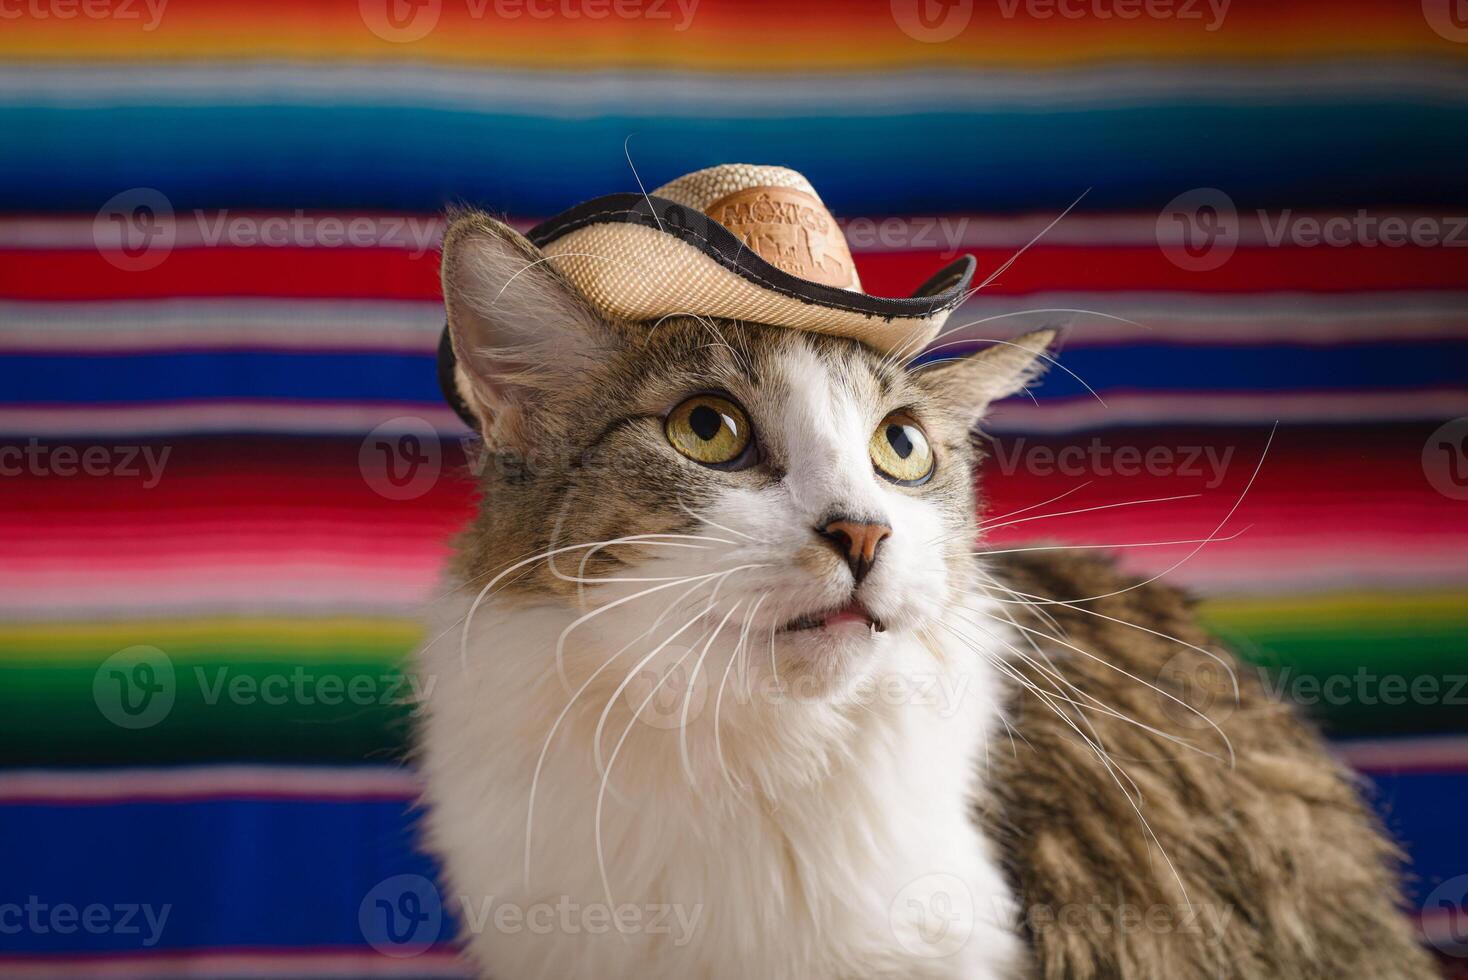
<point>857,542</point>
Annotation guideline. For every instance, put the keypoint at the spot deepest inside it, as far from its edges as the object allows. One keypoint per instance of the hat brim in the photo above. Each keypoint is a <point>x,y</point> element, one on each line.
<point>640,257</point>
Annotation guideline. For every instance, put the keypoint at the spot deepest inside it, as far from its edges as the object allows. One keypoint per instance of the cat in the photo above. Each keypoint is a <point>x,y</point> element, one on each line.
<point>724,690</point>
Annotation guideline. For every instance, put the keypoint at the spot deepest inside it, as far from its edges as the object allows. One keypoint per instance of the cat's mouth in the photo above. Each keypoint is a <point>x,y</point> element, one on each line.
<point>853,613</point>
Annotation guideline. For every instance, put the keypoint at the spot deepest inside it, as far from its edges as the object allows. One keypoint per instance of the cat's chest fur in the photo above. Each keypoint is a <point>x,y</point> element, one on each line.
<point>810,841</point>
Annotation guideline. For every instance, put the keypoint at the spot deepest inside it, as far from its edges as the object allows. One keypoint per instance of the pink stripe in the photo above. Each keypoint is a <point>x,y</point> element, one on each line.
<point>194,783</point>
<point>1443,754</point>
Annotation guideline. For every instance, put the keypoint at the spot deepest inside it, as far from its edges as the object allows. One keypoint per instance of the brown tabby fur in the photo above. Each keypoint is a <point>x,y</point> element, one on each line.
<point>1278,847</point>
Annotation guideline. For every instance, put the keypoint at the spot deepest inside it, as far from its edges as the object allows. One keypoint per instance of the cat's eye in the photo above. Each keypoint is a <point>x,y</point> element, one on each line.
<point>711,430</point>
<point>900,451</point>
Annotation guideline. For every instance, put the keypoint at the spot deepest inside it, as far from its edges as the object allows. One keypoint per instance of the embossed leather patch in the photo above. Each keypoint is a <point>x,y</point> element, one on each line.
<point>791,230</point>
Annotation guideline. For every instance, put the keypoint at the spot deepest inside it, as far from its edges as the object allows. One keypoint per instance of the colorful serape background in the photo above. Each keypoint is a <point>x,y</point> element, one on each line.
<point>228,478</point>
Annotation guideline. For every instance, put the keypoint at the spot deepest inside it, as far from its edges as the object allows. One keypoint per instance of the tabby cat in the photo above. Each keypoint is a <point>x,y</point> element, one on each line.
<point>726,687</point>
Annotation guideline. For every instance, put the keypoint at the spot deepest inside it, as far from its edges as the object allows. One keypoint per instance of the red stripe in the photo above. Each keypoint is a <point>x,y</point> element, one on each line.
<point>379,273</point>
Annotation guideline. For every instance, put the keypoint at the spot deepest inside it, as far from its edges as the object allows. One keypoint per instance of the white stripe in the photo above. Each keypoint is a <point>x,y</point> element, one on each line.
<point>1014,415</point>
<point>137,325</point>
<point>584,94</point>
<point>944,236</point>
<point>1256,318</point>
<point>414,326</point>
<point>1247,408</point>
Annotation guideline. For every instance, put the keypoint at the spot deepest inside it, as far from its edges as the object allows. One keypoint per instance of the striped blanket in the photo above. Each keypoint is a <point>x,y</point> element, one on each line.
<point>227,479</point>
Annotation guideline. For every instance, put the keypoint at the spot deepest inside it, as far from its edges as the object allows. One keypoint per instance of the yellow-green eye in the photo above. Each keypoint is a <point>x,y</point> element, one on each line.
<point>900,451</point>
<point>709,430</point>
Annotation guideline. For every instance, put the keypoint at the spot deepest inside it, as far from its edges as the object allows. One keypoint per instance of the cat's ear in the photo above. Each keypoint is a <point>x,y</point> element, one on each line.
<point>518,328</point>
<point>971,383</point>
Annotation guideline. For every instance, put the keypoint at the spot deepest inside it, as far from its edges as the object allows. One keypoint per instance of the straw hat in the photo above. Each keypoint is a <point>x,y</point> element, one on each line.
<point>741,242</point>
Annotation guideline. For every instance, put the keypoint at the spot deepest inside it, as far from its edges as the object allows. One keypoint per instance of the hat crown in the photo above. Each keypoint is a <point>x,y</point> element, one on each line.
<point>776,213</point>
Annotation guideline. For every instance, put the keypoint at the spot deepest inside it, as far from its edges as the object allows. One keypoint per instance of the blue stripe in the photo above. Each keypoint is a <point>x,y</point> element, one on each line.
<point>229,873</point>
<point>398,377</point>
<point>420,159</point>
<point>297,873</point>
<point>1424,812</point>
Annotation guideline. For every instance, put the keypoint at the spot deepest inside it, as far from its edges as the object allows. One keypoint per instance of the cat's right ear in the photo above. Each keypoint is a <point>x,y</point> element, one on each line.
<point>518,328</point>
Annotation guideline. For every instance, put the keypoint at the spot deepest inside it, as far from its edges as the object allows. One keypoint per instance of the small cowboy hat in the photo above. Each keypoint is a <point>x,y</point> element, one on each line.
<point>737,241</point>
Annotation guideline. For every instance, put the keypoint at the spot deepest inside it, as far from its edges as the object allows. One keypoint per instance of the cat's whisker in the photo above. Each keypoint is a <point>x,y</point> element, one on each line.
<point>556,724</point>
<point>683,754</point>
<point>723,685</point>
<point>1232,676</point>
<point>727,530</point>
<point>1043,503</point>
<point>1130,676</point>
<point>601,861</point>
<point>903,350</point>
<point>1094,704</point>
<point>1114,770</point>
<point>608,607</point>
<point>1107,547</point>
<point>611,702</point>
<point>1087,510</point>
<point>1190,555</point>
<point>1039,355</point>
<point>1096,745</point>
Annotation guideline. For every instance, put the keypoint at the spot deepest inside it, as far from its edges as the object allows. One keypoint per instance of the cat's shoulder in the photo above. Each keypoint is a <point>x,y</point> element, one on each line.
<point>1148,763</point>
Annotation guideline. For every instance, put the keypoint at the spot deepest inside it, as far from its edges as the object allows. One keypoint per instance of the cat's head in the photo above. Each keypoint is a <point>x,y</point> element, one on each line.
<point>816,492</point>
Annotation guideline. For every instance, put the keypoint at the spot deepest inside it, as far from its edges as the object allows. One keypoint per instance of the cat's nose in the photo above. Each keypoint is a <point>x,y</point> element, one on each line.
<point>856,541</point>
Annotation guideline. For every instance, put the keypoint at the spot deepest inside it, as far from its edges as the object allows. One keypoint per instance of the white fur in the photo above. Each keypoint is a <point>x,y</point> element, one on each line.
<point>808,839</point>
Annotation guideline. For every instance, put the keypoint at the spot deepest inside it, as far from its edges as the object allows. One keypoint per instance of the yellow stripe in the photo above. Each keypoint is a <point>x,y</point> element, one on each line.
<point>269,637</point>
<point>1341,610</point>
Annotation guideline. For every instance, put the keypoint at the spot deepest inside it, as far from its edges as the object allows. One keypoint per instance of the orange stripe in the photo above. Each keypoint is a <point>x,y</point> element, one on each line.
<point>724,35</point>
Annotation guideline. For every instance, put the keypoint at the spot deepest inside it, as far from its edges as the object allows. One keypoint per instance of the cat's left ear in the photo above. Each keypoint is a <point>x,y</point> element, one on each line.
<point>970,384</point>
